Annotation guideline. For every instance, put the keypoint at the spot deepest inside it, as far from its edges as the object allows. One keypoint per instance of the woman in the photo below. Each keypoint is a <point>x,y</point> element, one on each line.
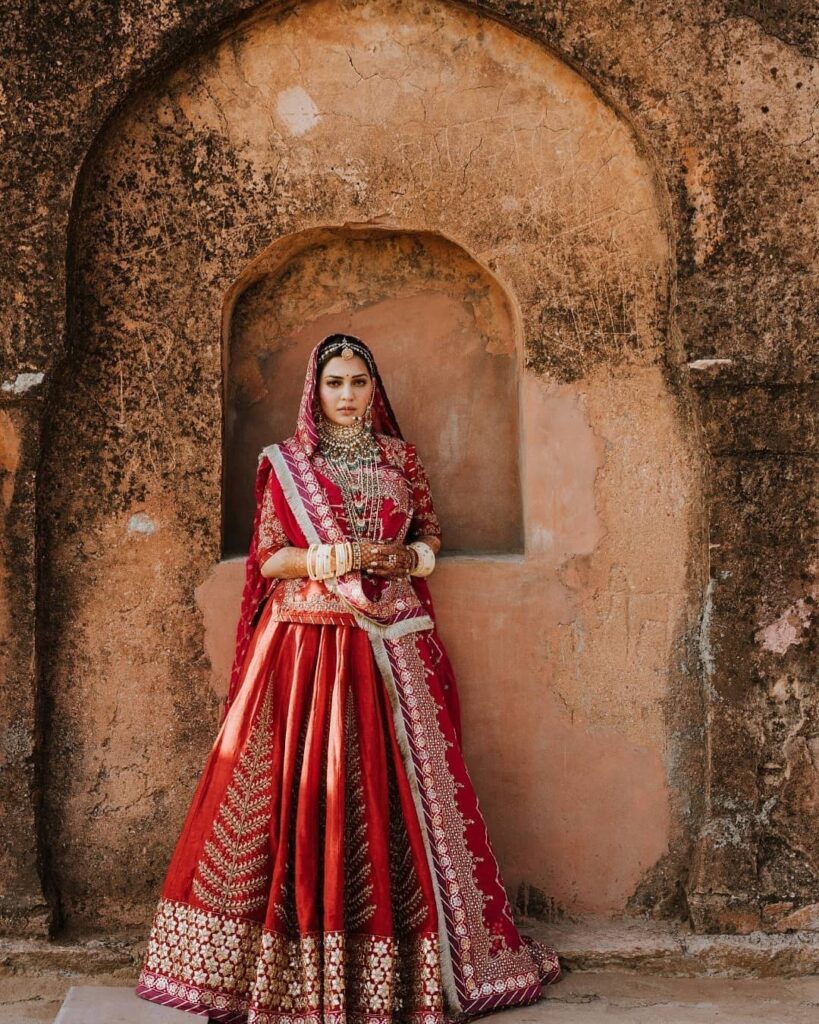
<point>334,861</point>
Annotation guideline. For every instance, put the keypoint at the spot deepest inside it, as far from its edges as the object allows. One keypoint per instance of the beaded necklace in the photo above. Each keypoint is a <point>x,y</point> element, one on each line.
<point>352,454</point>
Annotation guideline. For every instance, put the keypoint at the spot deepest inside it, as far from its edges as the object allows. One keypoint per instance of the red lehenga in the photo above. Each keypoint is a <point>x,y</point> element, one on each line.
<point>334,864</point>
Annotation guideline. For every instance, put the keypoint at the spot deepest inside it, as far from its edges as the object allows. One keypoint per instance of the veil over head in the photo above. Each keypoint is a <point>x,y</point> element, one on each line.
<point>383,418</point>
<point>256,586</point>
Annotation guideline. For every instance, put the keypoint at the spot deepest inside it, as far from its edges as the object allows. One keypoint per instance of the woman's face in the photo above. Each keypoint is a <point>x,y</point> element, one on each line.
<point>345,389</point>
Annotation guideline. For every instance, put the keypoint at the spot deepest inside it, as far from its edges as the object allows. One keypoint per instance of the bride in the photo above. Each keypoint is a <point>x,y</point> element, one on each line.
<point>334,863</point>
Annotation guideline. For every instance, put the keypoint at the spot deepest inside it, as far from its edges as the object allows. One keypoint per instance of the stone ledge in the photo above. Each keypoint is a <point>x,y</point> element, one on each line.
<point>86,955</point>
<point>585,998</point>
<point>92,1005</point>
<point>586,945</point>
<point>670,948</point>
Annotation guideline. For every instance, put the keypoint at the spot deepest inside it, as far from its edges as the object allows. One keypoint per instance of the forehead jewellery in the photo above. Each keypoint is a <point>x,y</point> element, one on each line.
<point>347,347</point>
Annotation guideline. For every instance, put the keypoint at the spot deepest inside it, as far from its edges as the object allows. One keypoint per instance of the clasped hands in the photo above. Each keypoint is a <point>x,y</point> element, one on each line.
<point>376,558</point>
<point>382,559</point>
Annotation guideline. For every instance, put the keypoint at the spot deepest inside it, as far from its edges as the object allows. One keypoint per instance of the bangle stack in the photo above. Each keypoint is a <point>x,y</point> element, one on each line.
<point>424,558</point>
<point>318,561</point>
<point>321,558</point>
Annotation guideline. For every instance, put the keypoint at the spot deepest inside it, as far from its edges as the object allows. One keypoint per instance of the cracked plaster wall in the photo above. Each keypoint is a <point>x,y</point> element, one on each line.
<point>725,98</point>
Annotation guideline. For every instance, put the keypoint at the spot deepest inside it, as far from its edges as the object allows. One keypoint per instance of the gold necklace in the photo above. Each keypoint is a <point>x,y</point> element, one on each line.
<point>345,440</point>
<point>352,456</point>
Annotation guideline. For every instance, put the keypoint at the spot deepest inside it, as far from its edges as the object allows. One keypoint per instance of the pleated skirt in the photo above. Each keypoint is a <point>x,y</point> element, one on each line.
<point>299,890</point>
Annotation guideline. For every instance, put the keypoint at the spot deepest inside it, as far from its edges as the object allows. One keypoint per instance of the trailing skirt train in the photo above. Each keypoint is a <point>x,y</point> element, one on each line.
<point>334,863</point>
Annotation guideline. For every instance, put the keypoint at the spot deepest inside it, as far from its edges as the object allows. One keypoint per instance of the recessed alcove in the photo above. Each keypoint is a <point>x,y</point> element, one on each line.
<point>442,330</point>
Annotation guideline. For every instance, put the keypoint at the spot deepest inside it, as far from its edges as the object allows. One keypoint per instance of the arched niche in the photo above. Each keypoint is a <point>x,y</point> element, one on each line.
<point>429,121</point>
<point>443,332</point>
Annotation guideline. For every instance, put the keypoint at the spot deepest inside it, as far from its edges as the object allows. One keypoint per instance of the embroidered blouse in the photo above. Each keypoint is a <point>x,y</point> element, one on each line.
<point>406,513</point>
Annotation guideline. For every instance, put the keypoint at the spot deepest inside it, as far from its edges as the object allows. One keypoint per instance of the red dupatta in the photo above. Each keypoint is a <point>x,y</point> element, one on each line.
<point>292,462</point>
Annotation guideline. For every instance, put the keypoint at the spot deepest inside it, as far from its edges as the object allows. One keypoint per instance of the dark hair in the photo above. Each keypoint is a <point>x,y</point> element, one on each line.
<point>333,345</point>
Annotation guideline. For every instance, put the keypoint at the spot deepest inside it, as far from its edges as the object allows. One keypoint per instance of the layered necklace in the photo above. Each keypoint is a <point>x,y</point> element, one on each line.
<point>352,455</point>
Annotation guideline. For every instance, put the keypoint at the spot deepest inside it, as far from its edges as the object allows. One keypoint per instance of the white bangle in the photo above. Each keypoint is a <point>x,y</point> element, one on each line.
<point>426,558</point>
<point>325,561</point>
<point>319,561</point>
<point>343,551</point>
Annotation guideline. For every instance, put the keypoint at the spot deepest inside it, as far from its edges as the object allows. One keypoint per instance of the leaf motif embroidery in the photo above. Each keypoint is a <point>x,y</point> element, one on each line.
<point>409,907</point>
<point>232,874</point>
<point>358,885</point>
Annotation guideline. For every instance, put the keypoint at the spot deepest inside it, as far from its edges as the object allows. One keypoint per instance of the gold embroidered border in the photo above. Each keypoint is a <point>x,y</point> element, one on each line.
<point>200,956</point>
<point>236,965</point>
<point>484,971</point>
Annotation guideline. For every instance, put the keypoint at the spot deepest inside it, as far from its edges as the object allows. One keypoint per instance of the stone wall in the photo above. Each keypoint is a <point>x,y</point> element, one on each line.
<point>636,181</point>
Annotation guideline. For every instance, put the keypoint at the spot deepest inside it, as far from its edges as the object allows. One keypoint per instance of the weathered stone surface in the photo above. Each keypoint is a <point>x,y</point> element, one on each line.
<point>24,908</point>
<point>589,944</point>
<point>671,948</point>
<point>603,998</point>
<point>702,299</point>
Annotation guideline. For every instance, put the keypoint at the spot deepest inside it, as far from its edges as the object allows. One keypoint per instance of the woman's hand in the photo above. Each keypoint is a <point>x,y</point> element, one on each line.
<point>286,563</point>
<point>386,559</point>
<point>376,558</point>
